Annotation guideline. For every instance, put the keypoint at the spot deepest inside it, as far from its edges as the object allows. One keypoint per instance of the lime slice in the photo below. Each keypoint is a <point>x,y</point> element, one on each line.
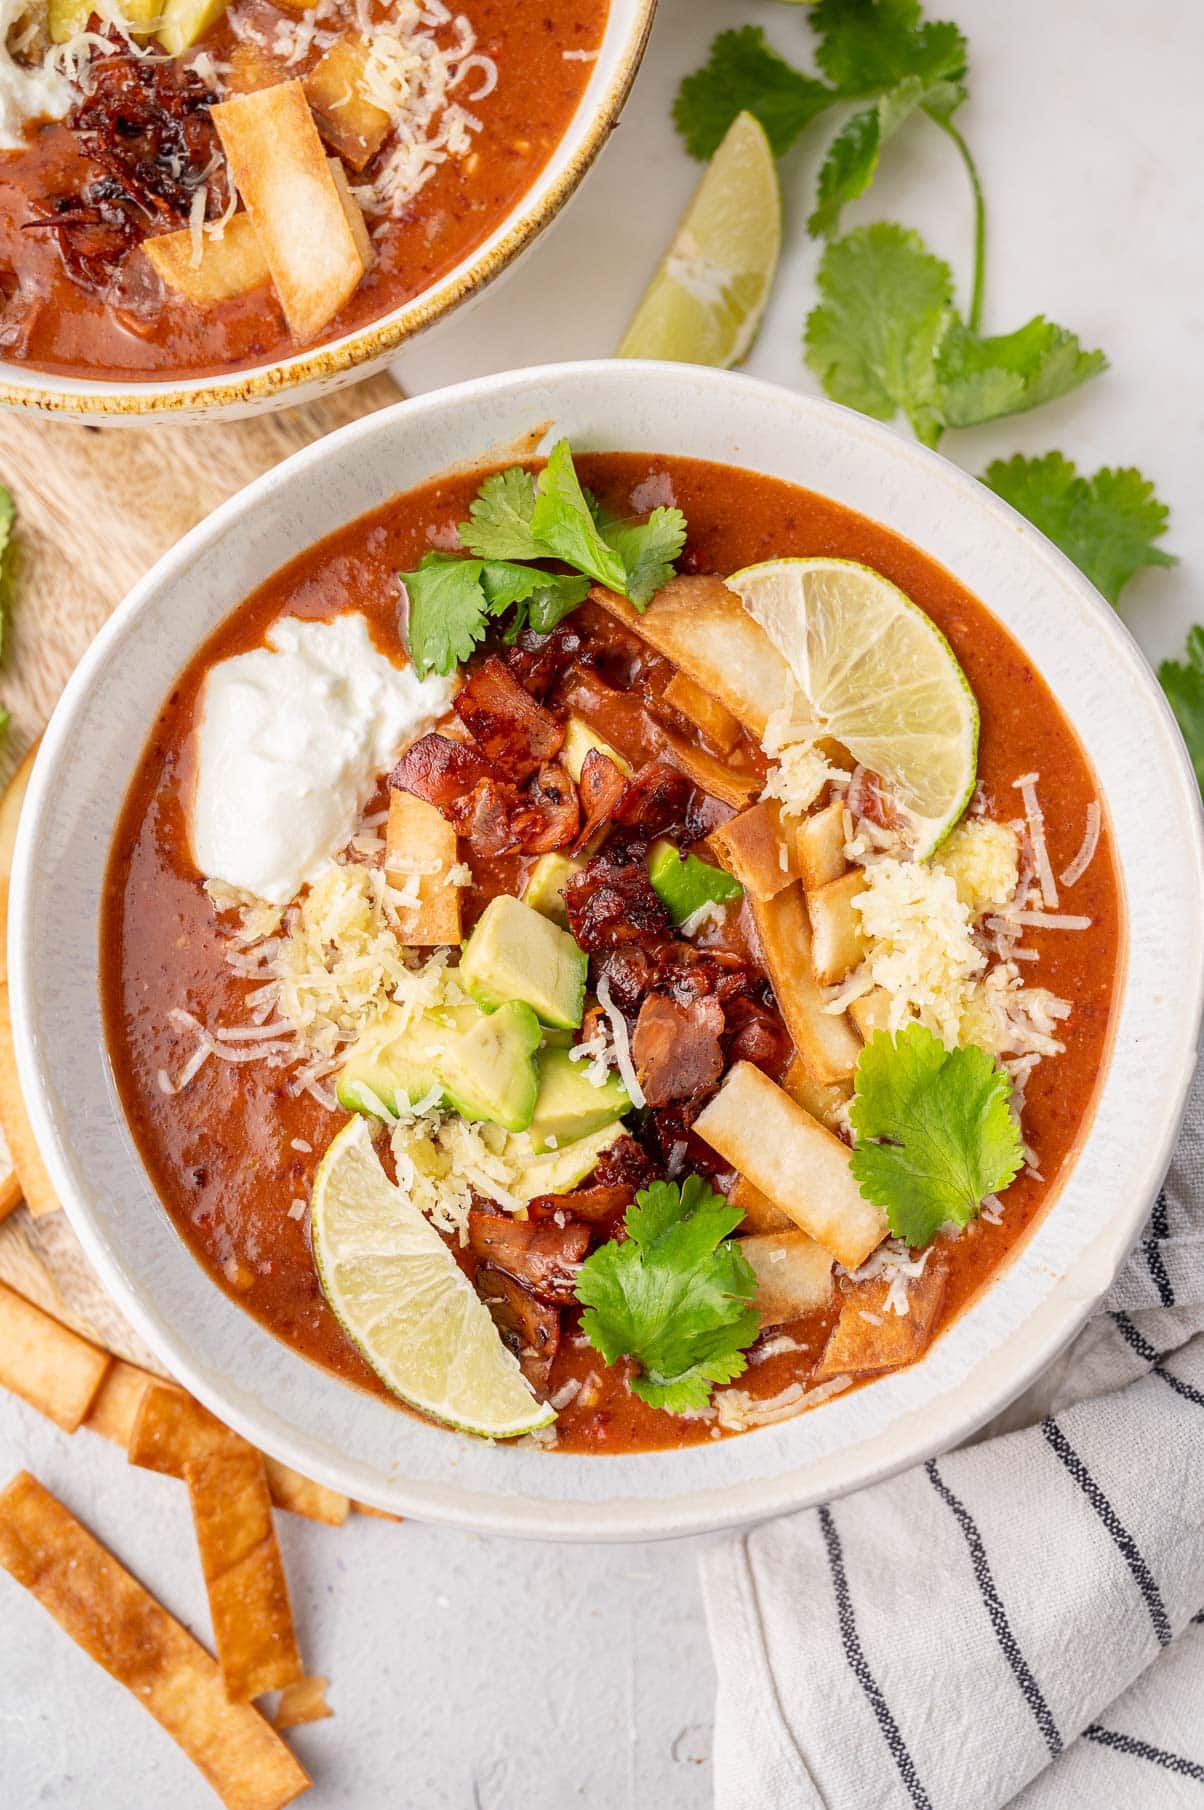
<point>880,677</point>
<point>402,1298</point>
<point>705,303</point>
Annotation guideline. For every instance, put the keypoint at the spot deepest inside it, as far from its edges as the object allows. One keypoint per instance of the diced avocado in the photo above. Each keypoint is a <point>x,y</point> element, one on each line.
<point>546,883</point>
<point>184,22</point>
<point>482,1064</point>
<point>66,17</point>
<point>517,953</point>
<point>686,886</point>
<point>562,1170</point>
<point>568,1105</point>
<point>579,738</point>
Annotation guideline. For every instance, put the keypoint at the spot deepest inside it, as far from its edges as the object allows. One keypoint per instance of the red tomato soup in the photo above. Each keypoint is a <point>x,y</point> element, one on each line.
<point>150,227</point>
<point>233,1152</point>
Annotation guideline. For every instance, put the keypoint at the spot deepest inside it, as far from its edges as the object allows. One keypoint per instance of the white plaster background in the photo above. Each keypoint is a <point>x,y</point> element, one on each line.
<point>473,1674</point>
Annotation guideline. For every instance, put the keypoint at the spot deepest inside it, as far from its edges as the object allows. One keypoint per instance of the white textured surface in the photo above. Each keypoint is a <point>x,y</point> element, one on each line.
<point>477,1675</point>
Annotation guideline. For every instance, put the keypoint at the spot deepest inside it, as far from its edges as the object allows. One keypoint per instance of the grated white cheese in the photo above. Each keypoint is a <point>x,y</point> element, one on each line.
<point>800,772</point>
<point>921,951</point>
<point>1071,875</point>
<point>618,1030</point>
<point>1026,785</point>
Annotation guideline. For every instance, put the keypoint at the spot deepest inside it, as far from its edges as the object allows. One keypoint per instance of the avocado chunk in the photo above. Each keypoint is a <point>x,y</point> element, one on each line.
<point>517,953</point>
<point>545,886</point>
<point>685,886</point>
<point>65,17</point>
<point>481,1064</point>
<point>560,1171</point>
<point>579,738</point>
<point>183,22</point>
<point>568,1105</point>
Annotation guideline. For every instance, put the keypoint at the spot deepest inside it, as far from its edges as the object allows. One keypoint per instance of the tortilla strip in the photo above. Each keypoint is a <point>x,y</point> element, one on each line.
<point>10,1193</point>
<point>794,1275</point>
<point>827,1044</point>
<point>119,1624</point>
<point>861,1347</point>
<point>47,1364</point>
<point>713,775</point>
<point>760,1214</point>
<point>378,1514</point>
<point>838,942</point>
<point>819,846</point>
<point>304,1701</point>
<point>822,1101</point>
<point>36,1190</point>
<point>353,212</point>
<point>794,1160</point>
<point>115,1407</point>
<point>753,848</point>
<point>230,266</point>
<point>418,837</point>
<point>244,1573</point>
<point>705,630</point>
<point>301,1496</point>
<point>279,167</point>
<point>350,123</point>
<point>713,720</point>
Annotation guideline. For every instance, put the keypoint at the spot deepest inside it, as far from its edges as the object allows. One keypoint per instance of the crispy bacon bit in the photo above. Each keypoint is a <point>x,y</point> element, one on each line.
<point>95,232</point>
<point>677,1150</point>
<point>439,770</point>
<point>529,1327</point>
<point>601,787</point>
<point>145,120</point>
<point>513,732</point>
<point>676,1048</point>
<point>658,797</point>
<point>595,1206</point>
<point>867,797</point>
<point>549,815</point>
<point>485,818</point>
<point>543,1256</point>
<point>630,972</point>
<point>539,662</point>
<point>758,1036</point>
<point>625,1164</point>
<point>611,901</point>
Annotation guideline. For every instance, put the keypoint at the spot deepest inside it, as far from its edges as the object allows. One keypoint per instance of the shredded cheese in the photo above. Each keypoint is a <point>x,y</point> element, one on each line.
<point>1026,785</point>
<point>1078,867</point>
<point>622,1043</point>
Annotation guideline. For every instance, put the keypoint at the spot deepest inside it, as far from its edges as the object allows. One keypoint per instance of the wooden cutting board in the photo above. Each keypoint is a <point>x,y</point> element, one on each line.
<point>95,508</point>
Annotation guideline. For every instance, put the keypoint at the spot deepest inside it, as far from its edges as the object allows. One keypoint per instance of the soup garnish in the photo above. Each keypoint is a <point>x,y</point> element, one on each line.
<point>695,1017</point>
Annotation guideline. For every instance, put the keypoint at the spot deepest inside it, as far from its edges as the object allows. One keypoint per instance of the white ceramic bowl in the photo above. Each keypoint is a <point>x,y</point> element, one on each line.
<point>362,1445</point>
<point>317,370</point>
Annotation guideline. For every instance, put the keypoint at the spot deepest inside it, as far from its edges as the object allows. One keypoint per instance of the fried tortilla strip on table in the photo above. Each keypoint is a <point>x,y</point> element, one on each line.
<point>420,844</point>
<point>826,1042</point>
<point>794,1160</point>
<point>45,1363</point>
<point>115,1407</point>
<point>244,1573</point>
<point>794,1275</point>
<point>706,631</point>
<point>754,848</point>
<point>227,267</point>
<point>38,1194</point>
<point>888,1341</point>
<point>279,167</point>
<point>304,1701</point>
<point>350,123</point>
<point>119,1624</point>
<point>377,1514</point>
<point>713,720</point>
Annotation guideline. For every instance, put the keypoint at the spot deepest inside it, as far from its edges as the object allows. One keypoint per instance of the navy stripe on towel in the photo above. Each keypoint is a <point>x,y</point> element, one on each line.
<point>1030,1689</point>
<point>859,1665</point>
<point>1125,1543</point>
<point>1160,1227</point>
<point>1141,1750</point>
<point>1141,1345</point>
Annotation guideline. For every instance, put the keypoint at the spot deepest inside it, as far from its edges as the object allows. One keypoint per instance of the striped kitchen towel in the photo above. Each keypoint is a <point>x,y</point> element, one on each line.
<point>1020,1622</point>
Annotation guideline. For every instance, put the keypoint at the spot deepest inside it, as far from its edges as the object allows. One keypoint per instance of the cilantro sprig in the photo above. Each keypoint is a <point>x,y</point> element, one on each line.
<point>1106,524</point>
<point>518,518</point>
<point>676,1295</point>
<point>935,1132</point>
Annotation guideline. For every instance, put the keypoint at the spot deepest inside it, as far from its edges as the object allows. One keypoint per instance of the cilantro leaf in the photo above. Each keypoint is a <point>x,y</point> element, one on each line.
<point>676,1295</point>
<point>935,1133</point>
<point>499,525</point>
<point>1106,524</point>
<point>8,516</point>
<point>647,550</point>
<point>982,379</point>
<point>448,611</point>
<point>563,520</point>
<point>743,75</point>
<point>1183,683</point>
<point>852,157</point>
<point>868,45</point>
<point>874,336</point>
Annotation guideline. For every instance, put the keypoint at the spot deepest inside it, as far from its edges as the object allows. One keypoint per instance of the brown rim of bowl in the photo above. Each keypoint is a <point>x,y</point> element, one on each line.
<point>331,365</point>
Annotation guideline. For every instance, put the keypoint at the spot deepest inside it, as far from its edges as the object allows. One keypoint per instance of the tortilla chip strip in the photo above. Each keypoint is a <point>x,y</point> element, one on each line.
<point>794,1275</point>
<point>713,775</point>
<point>819,845</point>
<point>827,1044</point>
<point>121,1626</point>
<point>860,1347</point>
<point>822,1100</point>
<point>753,847</point>
<point>421,844</point>
<point>760,1214</point>
<point>377,1514</point>
<point>50,1367</point>
<point>230,266</point>
<point>304,1701</point>
<point>715,721</point>
<point>10,1193</point>
<point>27,1161</point>
<point>706,631</point>
<point>244,1573</point>
<point>350,123</point>
<point>302,1496</point>
<point>279,168</point>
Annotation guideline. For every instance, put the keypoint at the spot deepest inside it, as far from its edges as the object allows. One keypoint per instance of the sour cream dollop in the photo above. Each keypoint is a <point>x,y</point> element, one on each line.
<point>291,740</point>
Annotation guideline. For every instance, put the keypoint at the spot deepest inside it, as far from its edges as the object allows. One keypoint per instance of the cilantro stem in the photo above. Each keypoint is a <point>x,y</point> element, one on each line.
<point>974,320</point>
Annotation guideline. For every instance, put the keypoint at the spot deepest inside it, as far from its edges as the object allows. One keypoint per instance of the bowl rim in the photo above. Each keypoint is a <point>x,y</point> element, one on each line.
<point>982,1390</point>
<point>323,368</point>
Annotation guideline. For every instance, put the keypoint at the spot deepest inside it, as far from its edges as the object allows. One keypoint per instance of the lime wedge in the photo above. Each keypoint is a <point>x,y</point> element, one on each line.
<point>402,1298</point>
<point>705,303</point>
<point>880,677</point>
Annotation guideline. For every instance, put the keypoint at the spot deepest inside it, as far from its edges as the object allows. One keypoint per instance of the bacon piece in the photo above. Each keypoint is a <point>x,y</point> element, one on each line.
<point>656,798</point>
<point>668,1133</point>
<point>146,122</point>
<point>485,818</point>
<point>539,662</point>
<point>548,816</point>
<point>439,770</point>
<point>543,1256</point>
<point>612,901</point>
<point>624,1164</point>
<point>529,1327</point>
<point>759,1037</point>
<point>631,972</point>
<point>594,1206</point>
<point>676,1048</point>
<point>601,787</point>
<point>513,732</point>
